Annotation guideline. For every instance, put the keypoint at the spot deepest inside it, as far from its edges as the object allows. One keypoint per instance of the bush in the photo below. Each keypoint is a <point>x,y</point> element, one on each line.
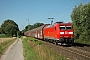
<point>81,21</point>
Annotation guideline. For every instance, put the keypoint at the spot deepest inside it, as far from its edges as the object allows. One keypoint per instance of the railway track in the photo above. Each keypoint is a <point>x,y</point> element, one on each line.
<point>77,51</point>
<point>73,52</point>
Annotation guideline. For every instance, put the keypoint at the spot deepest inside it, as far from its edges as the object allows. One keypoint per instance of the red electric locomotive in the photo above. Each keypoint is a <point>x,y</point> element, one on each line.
<point>62,33</point>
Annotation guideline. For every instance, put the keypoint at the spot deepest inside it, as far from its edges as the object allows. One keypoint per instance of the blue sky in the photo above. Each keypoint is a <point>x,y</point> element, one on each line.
<point>37,10</point>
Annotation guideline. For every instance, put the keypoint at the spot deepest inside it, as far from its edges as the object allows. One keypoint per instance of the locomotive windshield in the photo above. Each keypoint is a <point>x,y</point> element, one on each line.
<point>62,27</point>
<point>68,27</point>
<point>65,27</point>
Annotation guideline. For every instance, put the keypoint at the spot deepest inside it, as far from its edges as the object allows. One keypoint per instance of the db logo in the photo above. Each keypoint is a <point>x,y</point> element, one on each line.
<point>66,32</point>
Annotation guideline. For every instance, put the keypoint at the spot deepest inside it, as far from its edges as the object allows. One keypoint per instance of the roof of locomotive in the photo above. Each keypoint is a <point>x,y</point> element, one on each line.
<point>60,23</point>
<point>64,24</point>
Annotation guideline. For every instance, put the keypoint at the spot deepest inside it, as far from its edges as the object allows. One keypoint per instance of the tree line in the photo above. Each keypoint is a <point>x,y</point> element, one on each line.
<point>30,27</point>
<point>10,28</point>
<point>81,21</point>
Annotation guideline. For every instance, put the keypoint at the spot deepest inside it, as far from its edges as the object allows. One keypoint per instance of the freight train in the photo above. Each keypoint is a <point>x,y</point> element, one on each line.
<point>59,33</point>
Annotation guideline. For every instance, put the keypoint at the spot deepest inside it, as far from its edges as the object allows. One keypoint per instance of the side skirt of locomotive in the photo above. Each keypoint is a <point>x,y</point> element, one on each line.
<point>62,41</point>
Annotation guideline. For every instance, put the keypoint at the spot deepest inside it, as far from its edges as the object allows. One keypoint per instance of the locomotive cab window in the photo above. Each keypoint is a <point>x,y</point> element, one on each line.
<point>62,27</point>
<point>68,27</point>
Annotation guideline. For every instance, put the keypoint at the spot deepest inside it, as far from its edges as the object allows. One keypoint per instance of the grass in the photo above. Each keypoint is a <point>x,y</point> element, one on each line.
<point>4,45</point>
<point>29,53</point>
<point>40,50</point>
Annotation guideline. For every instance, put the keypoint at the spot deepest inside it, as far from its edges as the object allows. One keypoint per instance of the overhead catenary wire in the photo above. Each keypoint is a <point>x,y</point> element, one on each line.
<point>53,9</point>
<point>31,12</point>
<point>63,6</point>
<point>66,3</point>
<point>66,9</point>
<point>33,8</point>
<point>63,11</point>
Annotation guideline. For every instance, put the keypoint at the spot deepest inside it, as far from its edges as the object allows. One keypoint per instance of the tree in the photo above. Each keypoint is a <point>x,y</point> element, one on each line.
<point>19,33</point>
<point>38,25</point>
<point>9,27</point>
<point>0,30</point>
<point>30,27</point>
<point>81,21</point>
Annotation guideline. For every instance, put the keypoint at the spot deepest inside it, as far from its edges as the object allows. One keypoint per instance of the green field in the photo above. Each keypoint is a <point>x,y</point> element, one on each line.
<point>35,49</point>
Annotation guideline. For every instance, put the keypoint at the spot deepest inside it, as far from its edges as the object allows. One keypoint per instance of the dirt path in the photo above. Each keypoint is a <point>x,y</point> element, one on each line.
<point>14,52</point>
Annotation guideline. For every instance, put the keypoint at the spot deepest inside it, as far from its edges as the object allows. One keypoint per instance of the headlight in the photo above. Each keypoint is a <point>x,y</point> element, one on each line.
<point>70,32</point>
<point>61,32</point>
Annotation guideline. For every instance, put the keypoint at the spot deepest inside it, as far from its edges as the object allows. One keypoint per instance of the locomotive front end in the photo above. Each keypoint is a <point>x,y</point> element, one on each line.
<point>66,33</point>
